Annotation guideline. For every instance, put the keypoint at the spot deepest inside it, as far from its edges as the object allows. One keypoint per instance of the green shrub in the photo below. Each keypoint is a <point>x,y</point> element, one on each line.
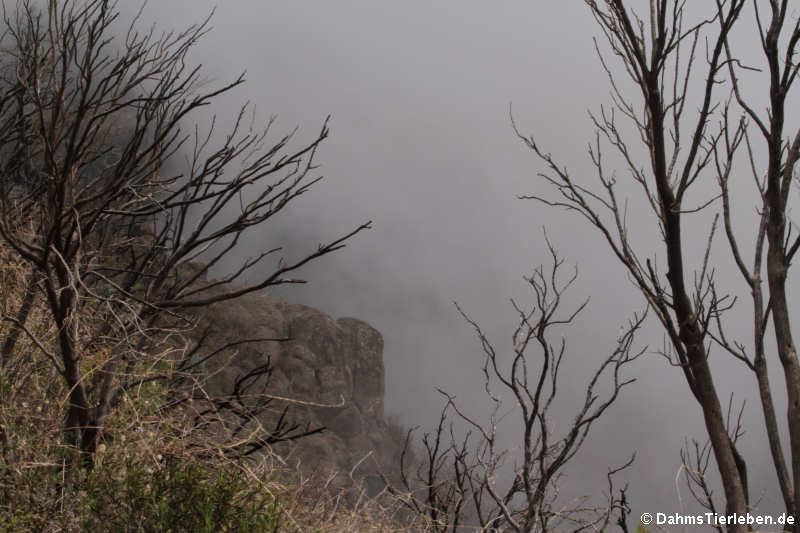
<point>177,497</point>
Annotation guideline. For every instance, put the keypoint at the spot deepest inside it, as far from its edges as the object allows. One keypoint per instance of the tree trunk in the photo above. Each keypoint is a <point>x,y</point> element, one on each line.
<point>21,319</point>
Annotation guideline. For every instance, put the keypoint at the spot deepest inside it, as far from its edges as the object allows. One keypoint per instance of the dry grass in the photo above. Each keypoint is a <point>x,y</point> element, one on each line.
<point>151,472</point>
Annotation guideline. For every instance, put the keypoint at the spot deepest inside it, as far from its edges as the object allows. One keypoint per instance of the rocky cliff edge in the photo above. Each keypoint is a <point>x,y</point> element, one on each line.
<point>329,372</point>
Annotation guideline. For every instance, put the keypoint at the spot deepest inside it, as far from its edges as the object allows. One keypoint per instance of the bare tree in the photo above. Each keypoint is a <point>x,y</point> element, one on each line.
<point>120,244</point>
<point>661,54</point>
<point>459,479</point>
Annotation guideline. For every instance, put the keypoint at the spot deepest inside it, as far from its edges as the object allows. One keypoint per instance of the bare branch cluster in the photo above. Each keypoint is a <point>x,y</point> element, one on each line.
<point>119,244</point>
<point>473,479</point>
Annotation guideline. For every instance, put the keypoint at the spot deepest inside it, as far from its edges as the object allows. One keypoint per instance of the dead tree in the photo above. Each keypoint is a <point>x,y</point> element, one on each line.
<point>471,479</point>
<point>120,243</point>
<point>774,236</point>
<point>686,78</point>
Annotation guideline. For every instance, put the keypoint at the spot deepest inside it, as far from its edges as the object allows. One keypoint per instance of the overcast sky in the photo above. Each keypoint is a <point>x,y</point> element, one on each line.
<point>422,144</point>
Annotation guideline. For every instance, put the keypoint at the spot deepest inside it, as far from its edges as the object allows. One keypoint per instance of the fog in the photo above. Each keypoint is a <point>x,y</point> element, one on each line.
<point>419,96</point>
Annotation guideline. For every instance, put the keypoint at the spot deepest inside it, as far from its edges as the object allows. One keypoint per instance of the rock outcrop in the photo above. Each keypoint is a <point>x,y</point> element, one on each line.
<point>329,373</point>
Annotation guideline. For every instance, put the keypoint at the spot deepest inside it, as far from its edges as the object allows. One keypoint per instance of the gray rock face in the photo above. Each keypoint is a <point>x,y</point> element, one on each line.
<point>365,346</point>
<point>330,373</point>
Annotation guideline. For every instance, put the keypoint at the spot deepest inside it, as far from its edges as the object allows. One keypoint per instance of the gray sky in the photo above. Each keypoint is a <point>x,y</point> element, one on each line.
<point>421,144</point>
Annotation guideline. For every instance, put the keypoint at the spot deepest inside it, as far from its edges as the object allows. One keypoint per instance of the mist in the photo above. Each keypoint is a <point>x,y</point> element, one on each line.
<point>420,95</point>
